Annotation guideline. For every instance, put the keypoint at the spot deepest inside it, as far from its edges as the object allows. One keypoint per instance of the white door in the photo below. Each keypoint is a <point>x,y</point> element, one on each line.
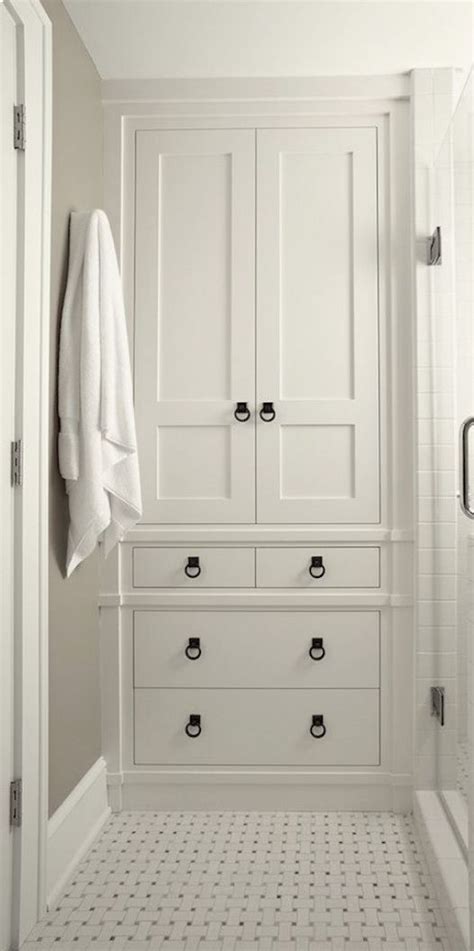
<point>8,231</point>
<point>194,324</point>
<point>317,326</point>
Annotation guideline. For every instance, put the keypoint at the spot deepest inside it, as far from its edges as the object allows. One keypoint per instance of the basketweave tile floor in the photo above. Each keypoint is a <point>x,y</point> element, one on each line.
<point>264,881</point>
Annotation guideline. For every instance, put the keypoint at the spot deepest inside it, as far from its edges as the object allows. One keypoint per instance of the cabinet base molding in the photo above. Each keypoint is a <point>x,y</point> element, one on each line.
<point>265,791</point>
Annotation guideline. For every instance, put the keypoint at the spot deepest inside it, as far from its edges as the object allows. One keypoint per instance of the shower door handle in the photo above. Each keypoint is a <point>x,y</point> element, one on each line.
<point>464,467</point>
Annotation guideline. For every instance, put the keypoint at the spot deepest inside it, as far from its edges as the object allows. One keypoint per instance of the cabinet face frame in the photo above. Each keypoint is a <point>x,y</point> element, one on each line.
<point>390,120</point>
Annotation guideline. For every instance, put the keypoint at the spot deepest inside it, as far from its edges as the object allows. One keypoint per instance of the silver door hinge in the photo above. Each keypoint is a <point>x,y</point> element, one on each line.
<point>17,462</point>
<point>15,803</point>
<point>19,127</point>
<point>434,248</point>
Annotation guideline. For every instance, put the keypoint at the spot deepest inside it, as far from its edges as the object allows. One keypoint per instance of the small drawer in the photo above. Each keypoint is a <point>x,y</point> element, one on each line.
<point>257,727</point>
<point>256,649</point>
<point>193,568</point>
<point>318,567</point>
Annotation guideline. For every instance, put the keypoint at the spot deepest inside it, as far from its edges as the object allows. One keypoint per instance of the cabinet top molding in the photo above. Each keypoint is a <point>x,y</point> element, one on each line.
<point>396,86</point>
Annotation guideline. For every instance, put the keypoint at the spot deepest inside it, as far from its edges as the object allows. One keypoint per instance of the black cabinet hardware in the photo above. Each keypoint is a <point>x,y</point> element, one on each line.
<point>267,412</point>
<point>192,568</point>
<point>193,650</point>
<point>317,650</point>
<point>316,568</point>
<point>317,728</point>
<point>242,412</point>
<point>193,727</point>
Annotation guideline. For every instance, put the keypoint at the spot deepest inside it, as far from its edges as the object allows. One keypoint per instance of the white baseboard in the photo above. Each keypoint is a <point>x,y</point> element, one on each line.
<point>74,826</point>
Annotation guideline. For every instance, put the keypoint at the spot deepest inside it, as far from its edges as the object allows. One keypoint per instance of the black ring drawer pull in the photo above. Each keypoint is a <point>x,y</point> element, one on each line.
<point>192,568</point>
<point>193,650</point>
<point>317,728</point>
<point>267,412</point>
<point>193,727</point>
<point>316,568</point>
<point>242,412</point>
<point>317,650</point>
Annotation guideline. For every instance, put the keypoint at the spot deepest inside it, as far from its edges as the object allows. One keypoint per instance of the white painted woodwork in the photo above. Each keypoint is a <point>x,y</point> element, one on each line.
<point>220,567</point>
<point>73,828</point>
<point>257,727</point>
<point>345,567</point>
<point>240,683</point>
<point>256,649</point>
<point>194,324</point>
<point>8,291</point>
<point>30,245</point>
<point>317,325</point>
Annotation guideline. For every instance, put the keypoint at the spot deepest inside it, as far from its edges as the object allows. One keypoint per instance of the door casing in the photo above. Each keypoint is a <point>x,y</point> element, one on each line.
<point>34,57</point>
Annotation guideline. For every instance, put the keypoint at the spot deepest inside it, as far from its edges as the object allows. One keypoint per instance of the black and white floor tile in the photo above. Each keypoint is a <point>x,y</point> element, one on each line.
<point>262,881</point>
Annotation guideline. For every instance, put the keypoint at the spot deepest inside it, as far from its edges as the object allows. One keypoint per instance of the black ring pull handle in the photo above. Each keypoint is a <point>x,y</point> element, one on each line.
<point>242,412</point>
<point>267,412</point>
<point>317,728</point>
<point>193,727</point>
<point>192,568</point>
<point>316,568</point>
<point>193,650</point>
<point>317,650</point>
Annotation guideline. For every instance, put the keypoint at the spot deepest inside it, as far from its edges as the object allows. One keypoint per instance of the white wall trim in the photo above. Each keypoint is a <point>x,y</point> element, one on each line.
<point>358,88</point>
<point>32,423</point>
<point>74,826</point>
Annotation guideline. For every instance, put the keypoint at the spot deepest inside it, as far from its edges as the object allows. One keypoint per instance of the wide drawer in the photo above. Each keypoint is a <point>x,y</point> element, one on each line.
<point>257,727</point>
<point>193,567</point>
<point>256,649</point>
<point>318,567</point>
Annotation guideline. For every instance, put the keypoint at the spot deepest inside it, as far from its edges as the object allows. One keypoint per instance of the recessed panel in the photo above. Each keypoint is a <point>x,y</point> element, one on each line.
<point>193,462</point>
<point>194,285</point>
<point>316,261</point>
<point>317,462</point>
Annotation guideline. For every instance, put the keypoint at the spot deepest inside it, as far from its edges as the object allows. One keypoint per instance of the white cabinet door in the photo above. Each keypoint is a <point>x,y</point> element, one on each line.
<point>194,324</point>
<point>317,326</point>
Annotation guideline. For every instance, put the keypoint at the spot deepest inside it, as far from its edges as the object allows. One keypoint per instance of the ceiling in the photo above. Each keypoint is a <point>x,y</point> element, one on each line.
<point>141,39</point>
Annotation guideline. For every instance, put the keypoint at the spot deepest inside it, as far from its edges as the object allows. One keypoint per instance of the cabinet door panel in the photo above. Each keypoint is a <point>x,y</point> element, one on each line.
<point>194,323</point>
<point>317,328</point>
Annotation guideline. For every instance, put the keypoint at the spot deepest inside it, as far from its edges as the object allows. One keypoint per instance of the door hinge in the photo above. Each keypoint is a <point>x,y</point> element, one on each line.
<point>17,462</point>
<point>15,803</point>
<point>434,248</point>
<point>19,127</point>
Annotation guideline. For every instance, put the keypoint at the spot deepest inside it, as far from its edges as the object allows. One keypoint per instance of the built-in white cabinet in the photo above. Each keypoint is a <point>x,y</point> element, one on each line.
<point>256,325</point>
<point>256,626</point>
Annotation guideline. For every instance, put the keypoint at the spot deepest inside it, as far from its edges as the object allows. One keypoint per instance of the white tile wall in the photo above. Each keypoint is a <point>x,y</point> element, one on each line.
<point>433,95</point>
<point>445,389</point>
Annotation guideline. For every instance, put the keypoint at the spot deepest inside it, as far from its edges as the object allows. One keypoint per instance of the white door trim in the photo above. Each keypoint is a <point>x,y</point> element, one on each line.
<point>32,420</point>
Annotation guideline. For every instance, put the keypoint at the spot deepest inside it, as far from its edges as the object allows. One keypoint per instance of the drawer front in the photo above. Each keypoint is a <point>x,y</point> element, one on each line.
<point>256,649</point>
<point>257,727</point>
<point>318,567</point>
<point>193,568</point>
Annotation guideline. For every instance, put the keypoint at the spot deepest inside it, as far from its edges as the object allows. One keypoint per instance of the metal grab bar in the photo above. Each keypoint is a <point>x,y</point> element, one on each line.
<point>464,467</point>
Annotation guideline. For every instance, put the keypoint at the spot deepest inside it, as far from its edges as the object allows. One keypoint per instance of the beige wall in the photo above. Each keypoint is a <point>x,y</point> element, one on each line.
<point>74,700</point>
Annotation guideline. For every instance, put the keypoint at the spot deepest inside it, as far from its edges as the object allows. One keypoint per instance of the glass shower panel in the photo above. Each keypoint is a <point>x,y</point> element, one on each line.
<point>451,413</point>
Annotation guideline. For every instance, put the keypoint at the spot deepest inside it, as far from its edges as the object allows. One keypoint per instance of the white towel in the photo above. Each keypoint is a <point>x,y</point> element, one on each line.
<point>97,441</point>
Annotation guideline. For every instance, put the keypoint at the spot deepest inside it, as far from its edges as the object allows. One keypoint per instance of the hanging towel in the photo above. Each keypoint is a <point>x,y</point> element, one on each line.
<point>97,440</point>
